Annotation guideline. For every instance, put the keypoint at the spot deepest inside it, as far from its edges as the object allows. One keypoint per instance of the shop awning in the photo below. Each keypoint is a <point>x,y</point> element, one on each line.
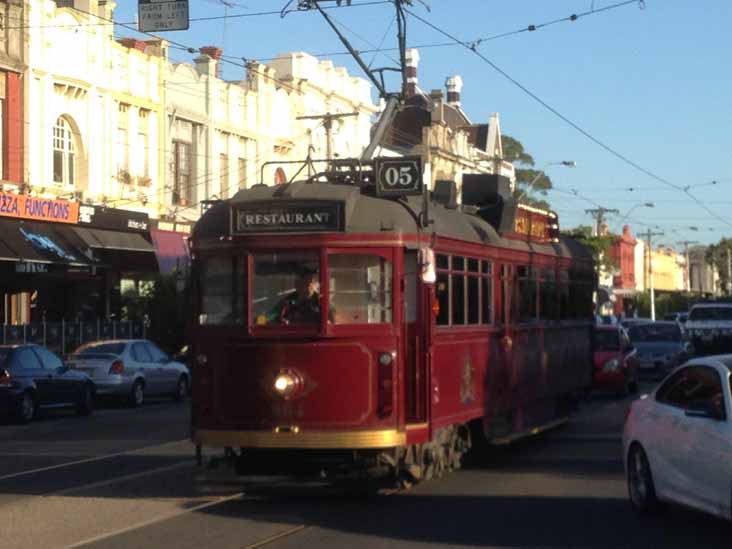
<point>113,240</point>
<point>36,242</point>
<point>171,249</point>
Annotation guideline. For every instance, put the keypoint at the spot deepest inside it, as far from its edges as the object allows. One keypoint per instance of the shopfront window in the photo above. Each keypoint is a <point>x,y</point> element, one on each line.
<point>360,289</point>
<point>222,285</point>
<point>286,288</point>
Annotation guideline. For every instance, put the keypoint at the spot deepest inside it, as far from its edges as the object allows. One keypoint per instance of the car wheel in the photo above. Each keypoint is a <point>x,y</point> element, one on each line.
<point>85,406</point>
<point>137,395</point>
<point>27,408</point>
<point>641,489</point>
<point>181,390</point>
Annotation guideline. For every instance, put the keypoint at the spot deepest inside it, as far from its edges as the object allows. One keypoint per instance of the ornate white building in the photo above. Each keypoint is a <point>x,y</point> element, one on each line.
<point>220,133</point>
<point>95,107</point>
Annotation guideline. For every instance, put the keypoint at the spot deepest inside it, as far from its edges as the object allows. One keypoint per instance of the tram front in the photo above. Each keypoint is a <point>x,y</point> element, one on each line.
<point>298,346</point>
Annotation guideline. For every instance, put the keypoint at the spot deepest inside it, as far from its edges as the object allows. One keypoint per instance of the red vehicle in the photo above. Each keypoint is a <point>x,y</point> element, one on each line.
<point>356,332</point>
<point>616,360</point>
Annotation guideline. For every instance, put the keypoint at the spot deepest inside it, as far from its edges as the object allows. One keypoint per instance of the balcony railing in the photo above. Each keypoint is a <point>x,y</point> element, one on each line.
<point>64,337</point>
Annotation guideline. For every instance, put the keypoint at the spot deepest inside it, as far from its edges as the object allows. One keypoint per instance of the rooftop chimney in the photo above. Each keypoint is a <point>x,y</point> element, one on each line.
<point>412,58</point>
<point>454,87</point>
<point>214,53</point>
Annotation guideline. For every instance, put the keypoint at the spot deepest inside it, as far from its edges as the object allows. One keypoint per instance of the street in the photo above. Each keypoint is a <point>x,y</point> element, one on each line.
<point>126,478</point>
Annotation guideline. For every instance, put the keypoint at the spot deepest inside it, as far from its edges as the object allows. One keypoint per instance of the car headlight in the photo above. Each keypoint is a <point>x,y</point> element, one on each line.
<point>611,365</point>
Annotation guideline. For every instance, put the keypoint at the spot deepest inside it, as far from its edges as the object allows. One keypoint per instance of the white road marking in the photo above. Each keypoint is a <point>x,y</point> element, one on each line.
<point>277,537</point>
<point>124,478</point>
<point>162,518</point>
<point>86,460</point>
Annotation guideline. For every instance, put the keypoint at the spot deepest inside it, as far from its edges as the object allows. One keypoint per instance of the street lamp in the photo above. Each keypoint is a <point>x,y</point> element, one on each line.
<point>630,211</point>
<point>566,163</point>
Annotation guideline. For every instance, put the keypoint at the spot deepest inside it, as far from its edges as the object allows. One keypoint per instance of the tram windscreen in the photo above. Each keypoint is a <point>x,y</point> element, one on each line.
<point>286,288</point>
<point>360,289</point>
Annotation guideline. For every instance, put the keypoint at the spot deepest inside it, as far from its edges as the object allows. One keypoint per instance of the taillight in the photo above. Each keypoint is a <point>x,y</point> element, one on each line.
<point>436,307</point>
<point>386,385</point>
<point>5,378</point>
<point>117,367</point>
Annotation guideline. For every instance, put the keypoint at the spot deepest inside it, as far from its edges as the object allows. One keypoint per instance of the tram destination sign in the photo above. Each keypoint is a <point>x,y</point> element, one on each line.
<point>398,176</point>
<point>162,15</point>
<point>288,218</point>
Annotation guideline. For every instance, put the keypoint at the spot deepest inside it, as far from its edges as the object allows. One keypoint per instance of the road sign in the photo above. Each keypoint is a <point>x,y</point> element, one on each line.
<point>398,176</point>
<point>162,15</point>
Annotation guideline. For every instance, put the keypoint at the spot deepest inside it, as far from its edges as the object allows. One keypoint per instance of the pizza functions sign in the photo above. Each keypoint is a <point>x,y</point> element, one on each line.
<point>22,206</point>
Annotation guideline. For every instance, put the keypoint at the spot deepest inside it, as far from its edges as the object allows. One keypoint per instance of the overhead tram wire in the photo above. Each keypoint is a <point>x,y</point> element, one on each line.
<point>529,28</point>
<point>474,48</point>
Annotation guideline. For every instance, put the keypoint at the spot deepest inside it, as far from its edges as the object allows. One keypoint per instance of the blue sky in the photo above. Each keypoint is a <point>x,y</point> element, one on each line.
<point>652,84</point>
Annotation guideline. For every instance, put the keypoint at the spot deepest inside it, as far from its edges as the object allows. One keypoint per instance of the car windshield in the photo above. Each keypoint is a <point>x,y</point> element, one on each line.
<point>607,340</point>
<point>100,349</point>
<point>654,332</point>
<point>711,313</point>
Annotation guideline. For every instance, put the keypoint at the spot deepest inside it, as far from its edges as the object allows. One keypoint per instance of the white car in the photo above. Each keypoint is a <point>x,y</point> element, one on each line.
<point>677,441</point>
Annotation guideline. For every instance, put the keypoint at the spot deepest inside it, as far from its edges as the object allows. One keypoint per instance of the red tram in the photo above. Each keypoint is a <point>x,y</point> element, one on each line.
<point>343,325</point>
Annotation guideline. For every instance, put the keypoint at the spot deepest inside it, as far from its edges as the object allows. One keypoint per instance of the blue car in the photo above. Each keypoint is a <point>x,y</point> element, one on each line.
<point>32,378</point>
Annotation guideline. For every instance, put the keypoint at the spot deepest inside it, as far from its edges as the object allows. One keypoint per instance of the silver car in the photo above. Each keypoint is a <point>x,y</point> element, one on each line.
<point>131,369</point>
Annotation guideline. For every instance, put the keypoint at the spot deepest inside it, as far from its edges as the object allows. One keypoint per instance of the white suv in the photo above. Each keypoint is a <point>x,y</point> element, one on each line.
<point>709,328</point>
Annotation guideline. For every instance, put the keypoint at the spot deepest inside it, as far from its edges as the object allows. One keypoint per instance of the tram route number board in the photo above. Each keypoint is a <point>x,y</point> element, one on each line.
<point>162,15</point>
<point>398,176</point>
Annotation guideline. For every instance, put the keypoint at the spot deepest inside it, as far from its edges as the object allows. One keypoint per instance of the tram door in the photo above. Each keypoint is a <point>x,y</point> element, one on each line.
<point>416,340</point>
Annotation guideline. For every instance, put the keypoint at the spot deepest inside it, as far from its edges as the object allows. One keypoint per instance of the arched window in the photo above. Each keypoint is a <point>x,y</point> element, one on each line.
<point>63,152</point>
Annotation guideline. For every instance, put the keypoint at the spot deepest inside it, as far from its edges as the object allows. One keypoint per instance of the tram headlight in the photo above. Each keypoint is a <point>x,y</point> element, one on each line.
<point>286,384</point>
<point>611,365</point>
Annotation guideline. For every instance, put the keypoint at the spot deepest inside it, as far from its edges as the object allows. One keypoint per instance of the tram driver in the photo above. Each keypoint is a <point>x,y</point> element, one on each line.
<point>301,306</point>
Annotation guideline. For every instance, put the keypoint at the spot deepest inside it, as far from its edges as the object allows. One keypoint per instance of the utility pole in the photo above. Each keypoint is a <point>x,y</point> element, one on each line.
<point>599,215</point>
<point>328,119</point>
<point>729,271</point>
<point>686,244</point>
<point>649,235</point>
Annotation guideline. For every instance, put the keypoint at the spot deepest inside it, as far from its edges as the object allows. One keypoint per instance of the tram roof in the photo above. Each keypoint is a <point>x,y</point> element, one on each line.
<point>371,214</point>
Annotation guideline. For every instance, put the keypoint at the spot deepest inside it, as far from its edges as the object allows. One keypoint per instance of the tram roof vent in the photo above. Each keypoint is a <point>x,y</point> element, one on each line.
<point>445,193</point>
<point>491,194</point>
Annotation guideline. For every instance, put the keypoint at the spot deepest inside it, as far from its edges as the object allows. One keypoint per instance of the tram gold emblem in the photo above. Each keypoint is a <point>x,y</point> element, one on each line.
<point>467,385</point>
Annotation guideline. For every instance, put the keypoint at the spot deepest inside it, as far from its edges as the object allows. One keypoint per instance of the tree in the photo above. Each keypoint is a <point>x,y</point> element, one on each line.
<point>717,256</point>
<point>599,246</point>
<point>514,152</point>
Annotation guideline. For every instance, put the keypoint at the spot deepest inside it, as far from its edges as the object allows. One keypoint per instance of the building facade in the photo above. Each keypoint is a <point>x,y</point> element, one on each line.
<point>12,100</point>
<point>703,276</point>
<point>221,133</point>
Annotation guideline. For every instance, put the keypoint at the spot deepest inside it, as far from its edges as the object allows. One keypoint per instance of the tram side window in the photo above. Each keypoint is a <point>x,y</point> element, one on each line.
<point>222,281</point>
<point>360,289</point>
<point>442,288</point>
<point>473,300</point>
<point>564,300</point>
<point>458,299</point>
<point>549,305</point>
<point>487,291</point>
<point>526,294</point>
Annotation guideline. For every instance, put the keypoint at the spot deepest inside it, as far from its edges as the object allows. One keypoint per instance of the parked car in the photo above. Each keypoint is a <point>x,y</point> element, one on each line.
<point>681,318</point>
<point>628,322</point>
<point>677,441</point>
<point>615,360</point>
<point>131,369</point>
<point>709,328</point>
<point>660,345</point>
<point>32,378</point>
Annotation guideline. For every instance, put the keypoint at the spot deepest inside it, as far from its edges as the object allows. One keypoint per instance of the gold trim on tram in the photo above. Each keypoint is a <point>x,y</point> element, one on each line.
<point>295,438</point>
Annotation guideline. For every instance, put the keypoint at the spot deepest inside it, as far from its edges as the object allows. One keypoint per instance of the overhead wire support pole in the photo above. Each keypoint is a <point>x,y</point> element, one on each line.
<point>599,215</point>
<point>649,235</point>
<point>352,51</point>
<point>686,244</point>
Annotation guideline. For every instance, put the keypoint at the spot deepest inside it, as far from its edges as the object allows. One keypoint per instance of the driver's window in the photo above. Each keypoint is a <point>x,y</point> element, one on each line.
<point>360,289</point>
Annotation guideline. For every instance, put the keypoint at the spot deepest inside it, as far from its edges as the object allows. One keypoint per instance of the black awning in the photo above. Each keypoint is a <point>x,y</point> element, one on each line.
<point>101,239</point>
<point>37,242</point>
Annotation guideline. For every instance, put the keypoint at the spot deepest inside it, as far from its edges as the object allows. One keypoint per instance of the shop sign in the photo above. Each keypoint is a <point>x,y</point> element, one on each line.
<point>28,267</point>
<point>288,218</point>
<point>113,219</point>
<point>23,206</point>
